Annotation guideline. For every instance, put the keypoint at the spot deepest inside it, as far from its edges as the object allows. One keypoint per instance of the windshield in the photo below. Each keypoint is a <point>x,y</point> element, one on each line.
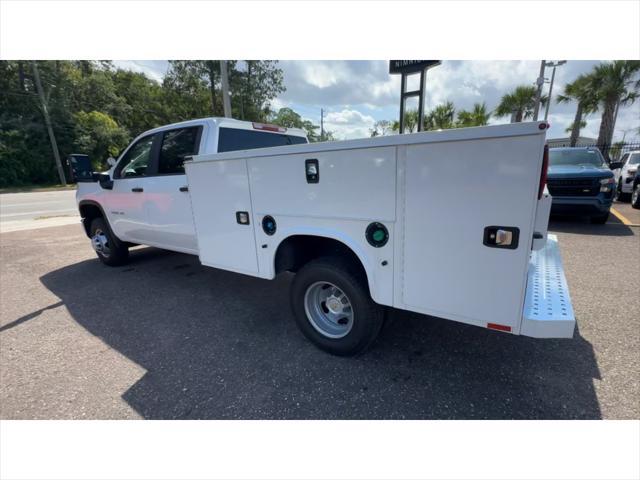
<point>576,157</point>
<point>634,159</point>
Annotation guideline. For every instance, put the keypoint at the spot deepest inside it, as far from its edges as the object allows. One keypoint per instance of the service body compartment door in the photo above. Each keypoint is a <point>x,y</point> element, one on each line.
<point>219,193</point>
<point>453,192</point>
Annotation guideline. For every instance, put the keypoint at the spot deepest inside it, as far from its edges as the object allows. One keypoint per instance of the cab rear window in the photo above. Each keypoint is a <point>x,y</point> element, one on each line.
<point>231,139</point>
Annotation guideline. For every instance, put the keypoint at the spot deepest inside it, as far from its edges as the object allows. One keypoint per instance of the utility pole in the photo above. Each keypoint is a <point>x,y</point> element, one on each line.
<point>553,76</point>
<point>321,124</point>
<point>224,77</point>
<point>539,83</point>
<point>47,121</point>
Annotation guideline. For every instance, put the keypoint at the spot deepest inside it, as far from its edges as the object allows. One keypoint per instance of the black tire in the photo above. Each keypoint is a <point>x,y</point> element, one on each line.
<point>368,316</point>
<point>620,195</point>
<point>600,219</point>
<point>635,197</point>
<point>117,253</point>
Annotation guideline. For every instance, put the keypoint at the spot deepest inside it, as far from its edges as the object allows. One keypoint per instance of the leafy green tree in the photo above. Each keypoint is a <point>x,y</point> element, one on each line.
<point>521,102</point>
<point>99,136</point>
<point>476,117</point>
<point>581,91</point>
<point>251,89</point>
<point>381,127</point>
<point>616,83</point>
<point>255,88</point>
<point>286,117</point>
<point>188,87</point>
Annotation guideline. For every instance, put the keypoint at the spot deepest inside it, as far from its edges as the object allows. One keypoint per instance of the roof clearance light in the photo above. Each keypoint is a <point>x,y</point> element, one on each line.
<point>268,127</point>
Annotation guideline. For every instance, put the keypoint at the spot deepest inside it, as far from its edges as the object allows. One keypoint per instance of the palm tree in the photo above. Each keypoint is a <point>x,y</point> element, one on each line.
<point>440,117</point>
<point>581,91</point>
<point>571,127</point>
<point>474,118</point>
<point>521,102</point>
<point>410,122</point>
<point>616,84</point>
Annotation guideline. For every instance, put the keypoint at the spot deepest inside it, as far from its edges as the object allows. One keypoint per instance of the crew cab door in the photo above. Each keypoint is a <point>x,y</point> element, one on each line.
<point>168,202</point>
<point>126,203</point>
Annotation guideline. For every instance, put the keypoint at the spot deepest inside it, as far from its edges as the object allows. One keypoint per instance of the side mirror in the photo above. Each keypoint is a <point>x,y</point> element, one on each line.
<point>79,167</point>
<point>615,165</point>
<point>105,181</point>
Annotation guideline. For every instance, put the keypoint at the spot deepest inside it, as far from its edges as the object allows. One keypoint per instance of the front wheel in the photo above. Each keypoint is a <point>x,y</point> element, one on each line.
<point>600,219</point>
<point>332,307</point>
<point>110,250</point>
<point>635,197</point>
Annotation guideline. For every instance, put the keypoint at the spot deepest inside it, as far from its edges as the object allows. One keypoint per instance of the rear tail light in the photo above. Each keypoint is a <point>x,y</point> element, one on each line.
<point>543,173</point>
<point>268,127</point>
<point>497,326</point>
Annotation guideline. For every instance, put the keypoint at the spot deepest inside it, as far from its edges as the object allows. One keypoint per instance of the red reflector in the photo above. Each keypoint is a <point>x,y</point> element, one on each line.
<point>502,328</point>
<point>268,127</point>
<point>543,173</point>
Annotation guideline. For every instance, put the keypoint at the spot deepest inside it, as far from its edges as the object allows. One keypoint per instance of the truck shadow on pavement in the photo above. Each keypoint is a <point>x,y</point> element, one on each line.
<point>218,345</point>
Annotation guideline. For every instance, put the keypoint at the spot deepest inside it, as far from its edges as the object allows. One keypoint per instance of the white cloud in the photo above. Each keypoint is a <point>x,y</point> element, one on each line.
<point>348,123</point>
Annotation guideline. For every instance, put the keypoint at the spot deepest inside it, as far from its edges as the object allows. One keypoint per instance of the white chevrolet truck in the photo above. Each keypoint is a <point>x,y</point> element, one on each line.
<point>364,224</point>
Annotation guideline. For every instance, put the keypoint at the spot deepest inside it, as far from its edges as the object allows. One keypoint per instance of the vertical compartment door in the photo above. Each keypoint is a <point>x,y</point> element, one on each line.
<point>459,198</point>
<point>220,200</point>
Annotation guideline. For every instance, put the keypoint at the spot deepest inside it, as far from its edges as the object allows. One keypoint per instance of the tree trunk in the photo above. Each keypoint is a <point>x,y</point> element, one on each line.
<point>575,131</point>
<point>212,86</point>
<point>519,114</point>
<point>606,126</point>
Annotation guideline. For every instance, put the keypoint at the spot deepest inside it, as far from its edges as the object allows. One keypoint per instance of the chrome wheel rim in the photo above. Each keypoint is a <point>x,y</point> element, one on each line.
<point>100,243</point>
<point>328,309</point>
<point>635,194</point>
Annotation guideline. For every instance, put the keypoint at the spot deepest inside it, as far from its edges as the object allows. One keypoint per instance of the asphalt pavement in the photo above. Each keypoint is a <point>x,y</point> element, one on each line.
<point>165,337</point>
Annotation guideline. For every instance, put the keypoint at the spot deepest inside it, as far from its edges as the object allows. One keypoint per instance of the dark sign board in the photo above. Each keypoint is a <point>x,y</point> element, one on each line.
<point>411,66</point>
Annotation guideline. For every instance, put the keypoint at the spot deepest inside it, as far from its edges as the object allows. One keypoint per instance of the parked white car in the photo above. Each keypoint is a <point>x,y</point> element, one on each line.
<point>624,176</point>
<point>363,224</point>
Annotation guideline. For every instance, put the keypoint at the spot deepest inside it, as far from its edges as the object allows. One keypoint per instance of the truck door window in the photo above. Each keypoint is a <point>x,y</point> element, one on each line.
<point>136,161</point>
<point>176,145</point>
<point>231,139</point>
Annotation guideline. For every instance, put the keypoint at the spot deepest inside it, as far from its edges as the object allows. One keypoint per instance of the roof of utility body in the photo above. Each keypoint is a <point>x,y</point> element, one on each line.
<point>450,135</point>
<point>573,148</point>
<point>225,122</point>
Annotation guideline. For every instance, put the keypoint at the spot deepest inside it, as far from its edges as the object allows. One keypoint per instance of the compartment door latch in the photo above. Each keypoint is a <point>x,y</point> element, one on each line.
<point>501,237</point>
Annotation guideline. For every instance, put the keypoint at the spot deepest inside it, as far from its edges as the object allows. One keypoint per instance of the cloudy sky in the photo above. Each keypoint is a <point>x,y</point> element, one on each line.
<point>354,94</point>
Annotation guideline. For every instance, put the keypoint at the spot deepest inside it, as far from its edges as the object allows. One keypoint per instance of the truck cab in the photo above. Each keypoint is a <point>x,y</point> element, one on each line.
<point>580,182</point>
<point>144,199</point>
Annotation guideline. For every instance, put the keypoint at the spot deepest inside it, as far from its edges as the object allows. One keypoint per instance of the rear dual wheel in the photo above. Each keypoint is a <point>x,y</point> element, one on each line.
<point>332,306</point>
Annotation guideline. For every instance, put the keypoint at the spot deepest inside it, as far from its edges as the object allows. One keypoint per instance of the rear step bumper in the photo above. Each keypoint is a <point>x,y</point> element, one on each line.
<point>547,307</point>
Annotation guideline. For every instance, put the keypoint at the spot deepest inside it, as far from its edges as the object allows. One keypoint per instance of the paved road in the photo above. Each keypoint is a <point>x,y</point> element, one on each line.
<point>24,211</point>
<point>167,338</point>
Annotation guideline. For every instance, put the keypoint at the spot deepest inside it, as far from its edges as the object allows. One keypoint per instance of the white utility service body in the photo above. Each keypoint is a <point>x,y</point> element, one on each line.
<point>439,195</point>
